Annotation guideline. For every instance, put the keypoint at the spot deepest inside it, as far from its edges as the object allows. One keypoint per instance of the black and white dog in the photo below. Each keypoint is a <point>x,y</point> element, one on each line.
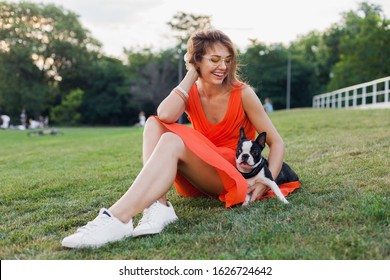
<point>254,167</point>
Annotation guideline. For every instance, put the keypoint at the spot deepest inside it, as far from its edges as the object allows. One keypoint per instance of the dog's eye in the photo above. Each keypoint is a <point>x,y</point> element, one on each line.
<point>255,153</point>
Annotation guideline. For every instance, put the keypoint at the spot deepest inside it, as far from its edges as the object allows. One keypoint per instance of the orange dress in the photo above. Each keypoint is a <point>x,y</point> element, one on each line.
<point>216,145</point>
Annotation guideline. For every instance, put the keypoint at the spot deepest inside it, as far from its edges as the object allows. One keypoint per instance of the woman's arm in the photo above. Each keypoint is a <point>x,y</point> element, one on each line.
<point>260,120</point>
<point>173,106</point>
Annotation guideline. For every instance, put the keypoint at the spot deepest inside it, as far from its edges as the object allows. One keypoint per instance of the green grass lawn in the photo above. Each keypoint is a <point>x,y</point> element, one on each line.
<point>50,185</point>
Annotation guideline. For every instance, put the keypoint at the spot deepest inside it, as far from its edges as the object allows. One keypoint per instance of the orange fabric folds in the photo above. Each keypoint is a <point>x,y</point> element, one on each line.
<point>215,144</point>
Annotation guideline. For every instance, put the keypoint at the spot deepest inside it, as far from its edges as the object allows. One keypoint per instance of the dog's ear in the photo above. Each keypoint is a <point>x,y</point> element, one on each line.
<point>261,139</point>
<point>242,133</point>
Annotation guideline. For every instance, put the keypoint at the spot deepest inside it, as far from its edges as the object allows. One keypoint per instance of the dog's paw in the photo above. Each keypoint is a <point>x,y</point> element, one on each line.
<point>246,202</point>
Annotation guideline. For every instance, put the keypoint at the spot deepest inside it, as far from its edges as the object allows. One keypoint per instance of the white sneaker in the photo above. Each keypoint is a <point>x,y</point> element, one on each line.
<point>103,229</point>
<point>155,218</point>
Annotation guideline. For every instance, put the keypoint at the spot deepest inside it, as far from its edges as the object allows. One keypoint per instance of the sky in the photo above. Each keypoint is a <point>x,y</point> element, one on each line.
<point>120,24</point>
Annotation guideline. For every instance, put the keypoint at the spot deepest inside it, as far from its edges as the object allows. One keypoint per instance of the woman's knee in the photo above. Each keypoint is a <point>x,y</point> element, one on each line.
<point>172,140</point>
<point>162,137</point>
<point>153,128</point>
<point>151,123</point>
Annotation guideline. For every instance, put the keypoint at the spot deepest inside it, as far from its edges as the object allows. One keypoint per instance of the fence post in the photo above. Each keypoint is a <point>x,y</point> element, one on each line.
<point>333,98</point>
<point>340,97</point>
<point>354,98</point>
<point>364,95</point>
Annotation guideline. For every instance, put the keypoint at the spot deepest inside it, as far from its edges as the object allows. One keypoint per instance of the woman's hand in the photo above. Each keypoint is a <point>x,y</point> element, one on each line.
<point>256,191</point>
<point>189,65</point>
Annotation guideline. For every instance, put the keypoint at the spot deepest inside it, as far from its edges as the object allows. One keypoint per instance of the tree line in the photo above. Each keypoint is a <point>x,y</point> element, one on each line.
<point>51,65</point>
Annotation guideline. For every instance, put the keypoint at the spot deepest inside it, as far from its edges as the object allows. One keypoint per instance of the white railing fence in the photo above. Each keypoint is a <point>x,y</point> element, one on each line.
<point>374,94</point>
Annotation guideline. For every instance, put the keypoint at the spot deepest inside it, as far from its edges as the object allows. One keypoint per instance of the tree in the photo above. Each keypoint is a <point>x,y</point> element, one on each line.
<point>328,54</point>
<point>310,73</point>
<point>364,47</point>
<point>48,41</point>
<point>264,68</point>
<point>107,98</point>
<point>68,112</point>
<point>184,25</point>
<point>152,77</point>
<point>21,84</point>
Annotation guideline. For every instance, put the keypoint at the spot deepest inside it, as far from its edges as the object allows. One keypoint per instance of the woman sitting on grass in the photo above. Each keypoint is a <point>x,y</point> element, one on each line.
<point>199,160</point>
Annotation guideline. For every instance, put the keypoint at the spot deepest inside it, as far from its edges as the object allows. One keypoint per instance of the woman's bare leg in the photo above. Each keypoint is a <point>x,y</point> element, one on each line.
<point>156,177</point>
<point>165,155</point>
<point>152,134</point>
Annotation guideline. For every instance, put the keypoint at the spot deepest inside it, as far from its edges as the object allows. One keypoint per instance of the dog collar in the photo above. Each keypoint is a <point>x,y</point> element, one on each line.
<point>255,170</point>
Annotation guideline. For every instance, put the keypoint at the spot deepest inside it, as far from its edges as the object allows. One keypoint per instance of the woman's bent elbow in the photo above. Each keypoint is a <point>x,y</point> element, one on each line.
<point>166,117</point>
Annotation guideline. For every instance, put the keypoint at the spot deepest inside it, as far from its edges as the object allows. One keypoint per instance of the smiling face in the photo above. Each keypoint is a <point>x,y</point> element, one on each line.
<point>200,50</point>
<point>214,67</point>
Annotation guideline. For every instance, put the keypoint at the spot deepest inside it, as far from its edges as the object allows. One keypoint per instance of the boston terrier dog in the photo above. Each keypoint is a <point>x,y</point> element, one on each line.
<point>254,167</point>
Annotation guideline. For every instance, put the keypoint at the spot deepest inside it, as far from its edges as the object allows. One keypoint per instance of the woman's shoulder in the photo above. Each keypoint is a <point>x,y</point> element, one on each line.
<point>249,98</point>
<point>242,87</point>
<point>247,91</point>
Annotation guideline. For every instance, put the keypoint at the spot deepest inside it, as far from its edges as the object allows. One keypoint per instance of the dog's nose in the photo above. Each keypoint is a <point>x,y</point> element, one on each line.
<point>245,157</point>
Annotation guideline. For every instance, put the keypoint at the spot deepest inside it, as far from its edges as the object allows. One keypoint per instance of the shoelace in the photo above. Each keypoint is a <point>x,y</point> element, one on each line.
<point>148,213</point>
<point>99,221</point>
